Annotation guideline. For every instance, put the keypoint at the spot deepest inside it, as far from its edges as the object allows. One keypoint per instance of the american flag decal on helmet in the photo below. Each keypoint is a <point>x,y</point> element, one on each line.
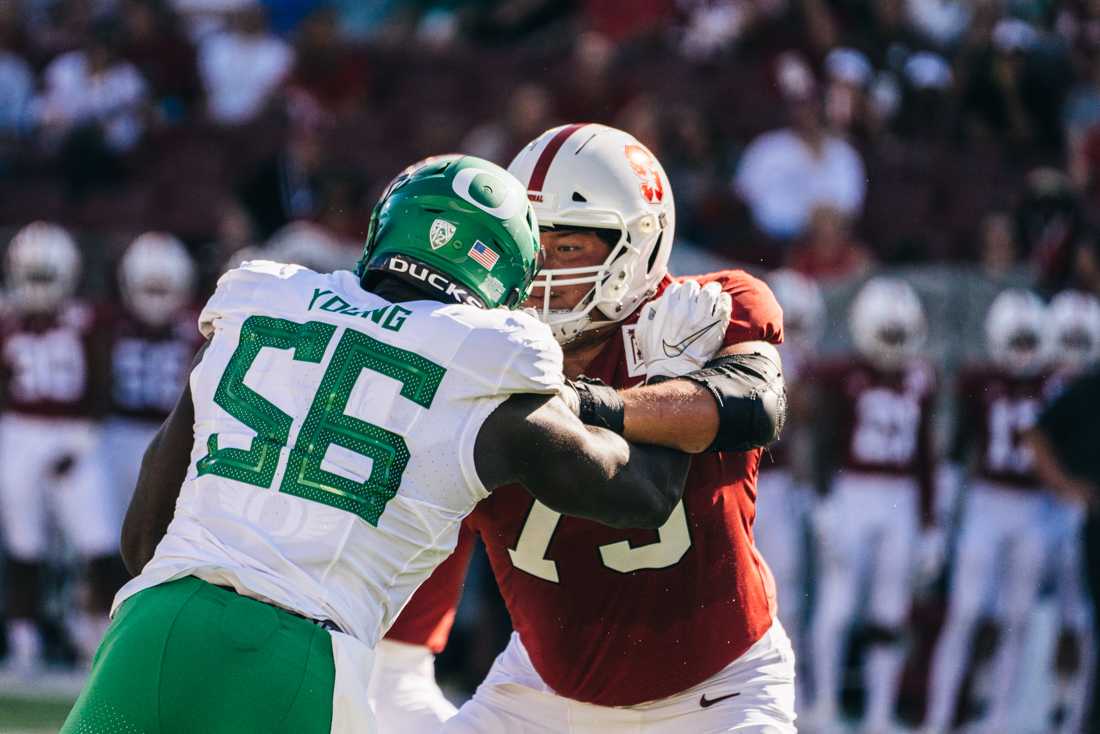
<point>484,255</point>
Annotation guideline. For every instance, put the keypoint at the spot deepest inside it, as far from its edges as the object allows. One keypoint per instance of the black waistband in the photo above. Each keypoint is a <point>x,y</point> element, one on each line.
<point>327,624</point>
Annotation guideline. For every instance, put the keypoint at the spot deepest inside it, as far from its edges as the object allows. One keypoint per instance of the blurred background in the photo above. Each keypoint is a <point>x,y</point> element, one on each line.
<point>952,143</point>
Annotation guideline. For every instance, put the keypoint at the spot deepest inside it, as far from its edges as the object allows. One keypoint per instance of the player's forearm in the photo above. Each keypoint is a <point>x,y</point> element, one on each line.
<point>678,414</point>
<point>163,470</point>
<point>736,402</point>
<point>146,519</point>
<point>576,469</point>
<point>614,482</point>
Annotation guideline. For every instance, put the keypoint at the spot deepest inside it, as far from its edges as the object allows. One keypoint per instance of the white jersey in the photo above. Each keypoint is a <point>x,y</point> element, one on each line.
<point>334,440</point>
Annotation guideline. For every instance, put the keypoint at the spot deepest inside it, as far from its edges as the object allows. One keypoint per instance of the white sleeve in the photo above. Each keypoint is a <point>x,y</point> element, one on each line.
<point>536,362</point>
<point>237,288</point>
<point>507,352</point>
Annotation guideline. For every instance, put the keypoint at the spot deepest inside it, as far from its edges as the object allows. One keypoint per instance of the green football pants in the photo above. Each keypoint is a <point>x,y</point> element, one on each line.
<point>188,657</point>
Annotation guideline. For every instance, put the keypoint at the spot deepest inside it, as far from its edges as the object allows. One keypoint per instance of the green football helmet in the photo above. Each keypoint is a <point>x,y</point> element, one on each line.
<point>458,225</point>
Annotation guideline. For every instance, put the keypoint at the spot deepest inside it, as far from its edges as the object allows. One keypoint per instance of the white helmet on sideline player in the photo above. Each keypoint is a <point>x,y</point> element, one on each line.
<point>887,322</point>
<point>596,177</point>
<point>1076,324</point>
<point>803,306</point>
<point>43,264</point>
<point>1015,333</point>
<point>308,245</point>
<point>156,275</point>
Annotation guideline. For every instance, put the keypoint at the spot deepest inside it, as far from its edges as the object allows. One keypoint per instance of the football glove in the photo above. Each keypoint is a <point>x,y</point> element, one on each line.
<point>680,331</point>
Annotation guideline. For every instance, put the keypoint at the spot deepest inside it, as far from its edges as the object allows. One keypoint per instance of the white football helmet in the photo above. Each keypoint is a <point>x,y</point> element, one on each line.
<point>596,177</point>
<point>1075,321</point>
<point>1015,333</point>
<point>310,246</point>
<point>803,307</point>
<point>887,322</point>
<point>43,264</point>
<point>156,275</point>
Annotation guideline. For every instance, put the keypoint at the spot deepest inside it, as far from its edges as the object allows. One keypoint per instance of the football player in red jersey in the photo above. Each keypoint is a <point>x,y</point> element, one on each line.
<point>152,342</point>
<point>667,630</point>
<point>51,371</point>
<point>1002,548</point>
<point>877,410</point>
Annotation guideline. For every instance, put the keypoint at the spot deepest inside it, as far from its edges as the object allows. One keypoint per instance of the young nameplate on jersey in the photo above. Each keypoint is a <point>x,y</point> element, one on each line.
<point>335,431</point>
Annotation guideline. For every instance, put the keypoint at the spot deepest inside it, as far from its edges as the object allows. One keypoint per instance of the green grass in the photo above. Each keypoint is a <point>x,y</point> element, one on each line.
<point>32,716</point>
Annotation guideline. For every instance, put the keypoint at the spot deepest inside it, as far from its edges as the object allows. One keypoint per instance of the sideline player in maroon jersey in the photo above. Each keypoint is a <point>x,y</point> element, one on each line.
<point>52,372</point>
<point>152,342</point>
<point>667,630</point>
<point>785,491</point>
<point>1002,540</point>
<point>877,411</point>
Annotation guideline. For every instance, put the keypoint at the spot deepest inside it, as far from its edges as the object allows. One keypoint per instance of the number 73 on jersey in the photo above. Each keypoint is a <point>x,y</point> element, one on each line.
<point>538,530</point>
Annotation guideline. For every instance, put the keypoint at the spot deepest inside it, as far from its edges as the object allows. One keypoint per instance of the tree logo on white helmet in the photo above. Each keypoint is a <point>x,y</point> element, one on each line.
<point>645,167</point>
<point>487,192</point>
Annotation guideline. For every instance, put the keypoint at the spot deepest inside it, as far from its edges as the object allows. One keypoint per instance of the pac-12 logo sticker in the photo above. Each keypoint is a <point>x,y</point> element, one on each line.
<point>644,166</point>
<point>440,233</point>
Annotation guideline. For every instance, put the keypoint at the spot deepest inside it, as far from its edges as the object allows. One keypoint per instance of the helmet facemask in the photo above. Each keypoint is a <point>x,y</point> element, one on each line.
<point>156,302</point>
<point>40,289</point>
<point>887,323</point>
<point>610,297</point>
<point>1077,347</point>
<point>43,264</point>
<point>1022,354</point>
<point>1016,327</point>
<point>156,275</point>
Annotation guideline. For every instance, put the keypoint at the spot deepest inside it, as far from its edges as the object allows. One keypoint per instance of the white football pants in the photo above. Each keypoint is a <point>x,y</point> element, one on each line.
<point>997,570</point>
<point>513,699</point>
<point>403,691</point>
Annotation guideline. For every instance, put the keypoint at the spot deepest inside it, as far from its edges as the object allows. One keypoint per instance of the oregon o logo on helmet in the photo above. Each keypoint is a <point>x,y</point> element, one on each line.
<point>487,192</point>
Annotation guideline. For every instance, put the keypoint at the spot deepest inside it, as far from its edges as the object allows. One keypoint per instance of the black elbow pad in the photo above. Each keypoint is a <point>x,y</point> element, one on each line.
<point>751,398</point>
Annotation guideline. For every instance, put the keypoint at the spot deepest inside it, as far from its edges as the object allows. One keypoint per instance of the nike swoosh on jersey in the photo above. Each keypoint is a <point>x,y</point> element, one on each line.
<point>704,701</point>
<point>675,350</point>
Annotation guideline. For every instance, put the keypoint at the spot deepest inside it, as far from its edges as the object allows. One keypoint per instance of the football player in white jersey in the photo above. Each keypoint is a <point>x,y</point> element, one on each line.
<point>338,429</point>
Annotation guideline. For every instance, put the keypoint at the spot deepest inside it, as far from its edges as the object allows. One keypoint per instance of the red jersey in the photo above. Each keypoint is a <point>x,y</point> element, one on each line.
<point>995,411</point>
<point>882,421</point>
<point>149,366</point>
<point>617,617</point>
<point>428,617</point>
<point>50,363</point>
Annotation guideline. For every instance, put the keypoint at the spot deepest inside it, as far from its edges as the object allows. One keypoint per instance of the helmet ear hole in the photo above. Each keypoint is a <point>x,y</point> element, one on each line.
<point>579,197</point>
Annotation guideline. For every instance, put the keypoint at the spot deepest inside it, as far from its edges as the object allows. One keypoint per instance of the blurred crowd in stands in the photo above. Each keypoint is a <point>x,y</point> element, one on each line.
<point>826,135</point>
